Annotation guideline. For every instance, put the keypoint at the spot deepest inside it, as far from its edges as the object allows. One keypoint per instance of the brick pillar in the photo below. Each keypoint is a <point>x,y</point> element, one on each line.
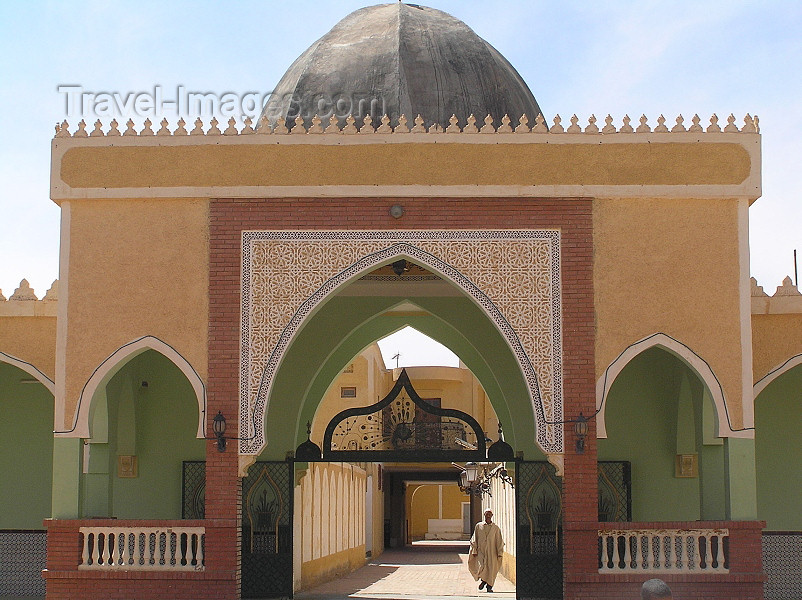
<point>223,486</point>
<point>580,488</point>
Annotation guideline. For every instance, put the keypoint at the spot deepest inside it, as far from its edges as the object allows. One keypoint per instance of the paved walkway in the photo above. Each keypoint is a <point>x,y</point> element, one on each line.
<point>426,571</point>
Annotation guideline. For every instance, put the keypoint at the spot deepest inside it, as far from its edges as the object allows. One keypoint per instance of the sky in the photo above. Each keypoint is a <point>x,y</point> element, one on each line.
<point>578,57</point>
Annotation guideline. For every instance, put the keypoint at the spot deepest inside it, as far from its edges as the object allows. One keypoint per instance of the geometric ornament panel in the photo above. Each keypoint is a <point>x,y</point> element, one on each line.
<point>512,275</point>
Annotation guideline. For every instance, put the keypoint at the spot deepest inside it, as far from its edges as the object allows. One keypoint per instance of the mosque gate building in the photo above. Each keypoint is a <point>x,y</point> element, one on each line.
<point>592,275</point>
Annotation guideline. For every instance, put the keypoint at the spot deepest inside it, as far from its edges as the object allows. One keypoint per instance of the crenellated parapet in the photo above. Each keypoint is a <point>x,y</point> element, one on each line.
<point>786,299</point>
<point>24,302</point>
<point>347,126</point>
<point>409,157</point>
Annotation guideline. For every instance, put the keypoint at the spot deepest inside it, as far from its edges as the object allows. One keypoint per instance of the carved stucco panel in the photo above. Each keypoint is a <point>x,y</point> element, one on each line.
<point>514,276</point>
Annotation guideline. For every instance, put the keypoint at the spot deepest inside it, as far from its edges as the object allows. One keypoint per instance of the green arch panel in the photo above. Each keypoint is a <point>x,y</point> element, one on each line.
<point>346,325</point>
<point>26,462</point>
<point>778,452</point>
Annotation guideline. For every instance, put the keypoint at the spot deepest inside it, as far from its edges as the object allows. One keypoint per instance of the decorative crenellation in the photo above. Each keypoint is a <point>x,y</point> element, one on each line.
<point>384,126</point>
<point>24,302</point>
<point>25,293</point>
<point>786,299</point>
<point>786,289</point>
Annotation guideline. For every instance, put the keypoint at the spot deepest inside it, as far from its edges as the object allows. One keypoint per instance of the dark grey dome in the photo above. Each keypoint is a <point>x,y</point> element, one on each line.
<point>401,59</point>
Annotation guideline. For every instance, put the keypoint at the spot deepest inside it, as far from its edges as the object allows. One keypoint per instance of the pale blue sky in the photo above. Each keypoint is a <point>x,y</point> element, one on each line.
<point>626,57</point>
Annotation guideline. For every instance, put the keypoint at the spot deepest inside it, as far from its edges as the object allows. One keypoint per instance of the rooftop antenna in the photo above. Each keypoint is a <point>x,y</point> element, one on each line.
<point>396,357</point>
<point>796,279</point>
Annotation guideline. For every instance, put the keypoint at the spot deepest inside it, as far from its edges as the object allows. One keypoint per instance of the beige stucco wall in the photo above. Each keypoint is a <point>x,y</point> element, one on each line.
<point>775,339</point>
<point>501,501</point>
<point>431,501</point>
<point>136,268</point>
<point>330,526</point>
<point>226,165</point>
<point>671,266</point>
<point>31,339</point>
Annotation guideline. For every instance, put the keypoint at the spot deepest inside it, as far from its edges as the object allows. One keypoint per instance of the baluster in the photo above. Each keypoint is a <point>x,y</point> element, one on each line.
<point>605,553</point>
<point>150,554</point>
<point>661,553</point>
<point>699,538</point>
<point>182,549</point>
<point>717,560</point>
<point>162,552</point>
<point>627,552</point>
<point>126,553</point>
<point>109,550</point>
<point>650,539</point>
<point>683,553</point>
<point>85,551</point>
<point>199,552</point>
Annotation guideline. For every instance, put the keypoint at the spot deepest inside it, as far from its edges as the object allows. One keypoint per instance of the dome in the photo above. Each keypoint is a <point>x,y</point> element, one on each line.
<point>401,59</point>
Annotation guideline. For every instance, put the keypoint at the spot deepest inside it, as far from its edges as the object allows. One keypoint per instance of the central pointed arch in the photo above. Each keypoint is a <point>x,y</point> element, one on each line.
<point>408,246</point>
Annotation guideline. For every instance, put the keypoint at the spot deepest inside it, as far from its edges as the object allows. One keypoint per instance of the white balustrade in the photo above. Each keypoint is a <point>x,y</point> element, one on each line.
<point>142,548</point>
<point>694,551</point>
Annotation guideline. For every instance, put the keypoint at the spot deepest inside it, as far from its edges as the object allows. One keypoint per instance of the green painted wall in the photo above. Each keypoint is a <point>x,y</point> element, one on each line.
<point>655,411</point>
<point>778,452</point>
<point>344,326</point>
<point>26,461</point>
<point>157,424</point>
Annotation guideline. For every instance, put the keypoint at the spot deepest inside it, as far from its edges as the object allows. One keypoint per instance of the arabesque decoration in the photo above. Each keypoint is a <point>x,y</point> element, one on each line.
<point>513,275</point>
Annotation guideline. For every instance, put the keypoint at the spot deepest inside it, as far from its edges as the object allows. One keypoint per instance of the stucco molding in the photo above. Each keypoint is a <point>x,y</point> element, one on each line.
<point>689,357</point>
<point>111,365</point>
<point>30,370</point>
<point>181,166</point>
<point>513,277</point>
<point>776,372</point>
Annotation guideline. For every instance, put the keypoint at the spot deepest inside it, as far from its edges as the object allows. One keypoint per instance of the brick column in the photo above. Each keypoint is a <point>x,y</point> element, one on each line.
<point>223,486</point>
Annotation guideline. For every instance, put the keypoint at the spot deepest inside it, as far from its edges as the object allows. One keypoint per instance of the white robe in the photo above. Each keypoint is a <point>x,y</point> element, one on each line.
<point>487,549</point>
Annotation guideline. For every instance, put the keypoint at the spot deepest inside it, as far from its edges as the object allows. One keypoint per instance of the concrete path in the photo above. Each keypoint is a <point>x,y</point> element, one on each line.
<point>425,571</point>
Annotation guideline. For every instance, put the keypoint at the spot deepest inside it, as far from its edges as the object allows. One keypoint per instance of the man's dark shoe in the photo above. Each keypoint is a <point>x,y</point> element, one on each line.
<point>482,585</point>
<point>489,590</point>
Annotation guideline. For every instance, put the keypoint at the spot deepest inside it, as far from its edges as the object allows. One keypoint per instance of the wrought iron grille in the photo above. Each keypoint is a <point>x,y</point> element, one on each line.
<point>539,569</point>
<point>404,426</point>
<point>615,491</point>
<point>267,530</point>
<point>193,490</point>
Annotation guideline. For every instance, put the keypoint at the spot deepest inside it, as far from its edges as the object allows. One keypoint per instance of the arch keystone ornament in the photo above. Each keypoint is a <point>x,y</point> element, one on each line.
<point>513,276</point>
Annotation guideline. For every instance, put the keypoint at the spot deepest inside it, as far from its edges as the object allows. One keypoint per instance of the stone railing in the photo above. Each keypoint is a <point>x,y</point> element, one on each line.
<point>348,125</point>
<point>687,551</point>
<point>142,548</point>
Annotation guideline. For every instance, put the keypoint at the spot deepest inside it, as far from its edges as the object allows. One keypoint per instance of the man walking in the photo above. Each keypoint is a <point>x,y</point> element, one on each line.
<point>487,548</point>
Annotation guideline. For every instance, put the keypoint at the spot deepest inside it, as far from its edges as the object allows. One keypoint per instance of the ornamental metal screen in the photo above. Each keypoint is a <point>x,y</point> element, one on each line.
<point>403,427</point>
<point>193,490</point>
<point>267,503</point>
<point>615,491</point>
<point>539,556</point>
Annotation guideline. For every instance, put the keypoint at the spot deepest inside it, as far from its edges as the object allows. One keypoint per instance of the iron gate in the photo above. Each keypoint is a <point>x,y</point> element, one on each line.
<point>539,552</point>
<point>267,502</point>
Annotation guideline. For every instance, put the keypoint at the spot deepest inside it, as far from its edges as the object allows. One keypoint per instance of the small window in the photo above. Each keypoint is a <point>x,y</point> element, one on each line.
<point>348,392</point>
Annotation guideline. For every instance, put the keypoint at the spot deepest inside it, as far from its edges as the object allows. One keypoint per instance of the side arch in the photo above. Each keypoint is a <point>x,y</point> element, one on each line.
<point>776,372</point>
<point>548,432</point>
<point>681,351</point>
<point>30,370</point>
<point>109,367</point>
